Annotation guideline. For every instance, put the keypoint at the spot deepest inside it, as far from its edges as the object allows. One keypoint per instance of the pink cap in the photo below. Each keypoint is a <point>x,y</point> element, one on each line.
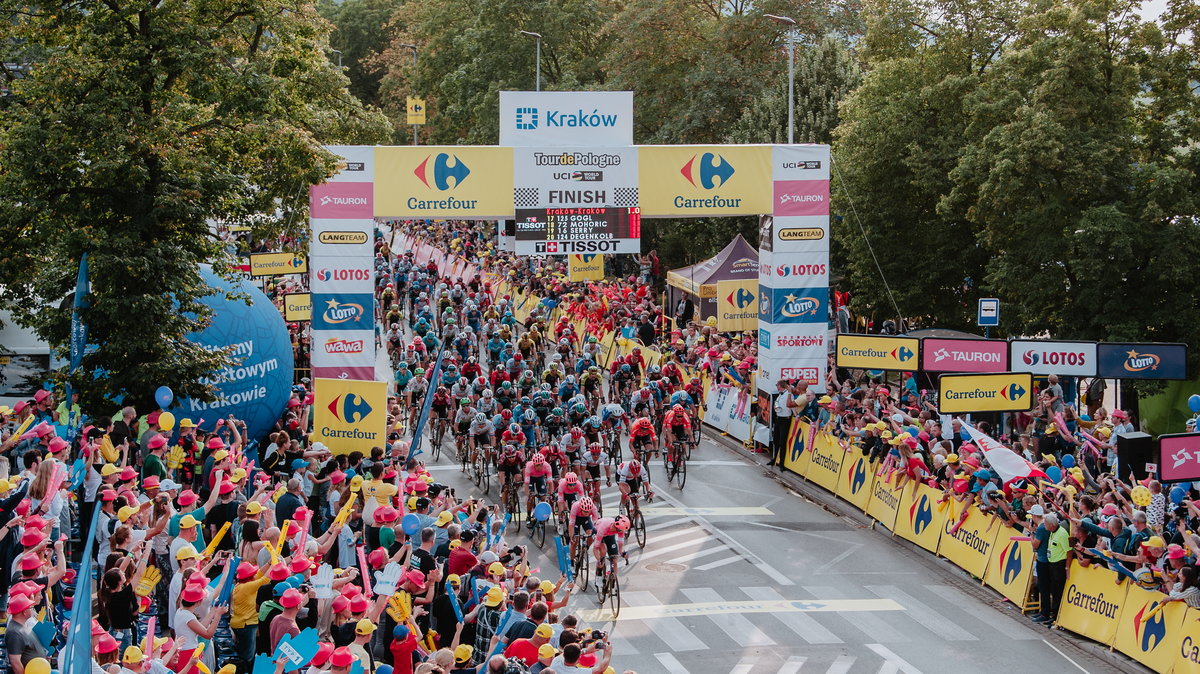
<point>152,418</point>
<point>225,487</point>
<point>127,473</point>
<point>40,395</point>
<point>187,497</point>
<point>30,561</point>
<point>192,593</point>
<point>18,603</point>
<point>57,445</point>
<point>1110,509</point>
<point>215,443</point>
<point>340,603</point>
<point>151,482</point>
<point>291,598</point>
<point>359,604</point>
<point>157,442</point>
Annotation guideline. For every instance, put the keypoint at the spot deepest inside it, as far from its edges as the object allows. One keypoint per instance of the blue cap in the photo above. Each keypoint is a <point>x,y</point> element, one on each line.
<point>983,474</point>
<point>401,632</point>
<point>281,587</point>
<point>297,464</point>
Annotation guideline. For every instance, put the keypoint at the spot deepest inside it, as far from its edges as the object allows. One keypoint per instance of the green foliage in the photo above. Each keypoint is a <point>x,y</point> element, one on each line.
<point>149,120</point>
<point>361,32</point>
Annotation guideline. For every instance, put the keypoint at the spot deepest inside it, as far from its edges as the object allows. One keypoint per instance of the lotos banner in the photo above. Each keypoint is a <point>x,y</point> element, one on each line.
<point>920,520</point>
<point>1010,570</point>
<point>683,180</point>
<point>1077,359</point>
<point>1091,602</point>
<point>443,182</point>
<point>737,305</point>
<point>968,544</point>
<point>350,415</point>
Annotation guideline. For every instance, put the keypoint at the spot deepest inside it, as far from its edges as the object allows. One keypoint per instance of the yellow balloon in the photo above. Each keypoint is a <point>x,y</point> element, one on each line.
<point>166,421</point>
<point>38,666</point>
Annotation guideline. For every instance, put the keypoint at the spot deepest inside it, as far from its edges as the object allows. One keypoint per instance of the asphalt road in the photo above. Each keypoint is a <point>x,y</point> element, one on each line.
<point>742,575</point>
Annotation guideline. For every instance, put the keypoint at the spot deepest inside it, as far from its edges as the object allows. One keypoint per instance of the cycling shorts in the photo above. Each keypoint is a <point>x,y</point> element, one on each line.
<point>583,522</point>
<point>594,471</point>
<point>483,439</point>
<point>679,431</point>
<point>634,484</point>
<point>570,497</point>
<point>511,471</point>
<point>640,441</point>
<point>537,484</point>
<point>610,544</point>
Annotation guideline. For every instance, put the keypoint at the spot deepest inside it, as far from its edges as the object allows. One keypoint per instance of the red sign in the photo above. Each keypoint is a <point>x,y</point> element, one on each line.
<point>341,201</point>
<point>1179,457</point>
<point>980,356</point>
<point>801,197</point>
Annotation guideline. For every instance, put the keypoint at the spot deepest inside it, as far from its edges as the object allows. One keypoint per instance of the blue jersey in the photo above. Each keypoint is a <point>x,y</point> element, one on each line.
<point>681,398</point>
<point>611,411</point>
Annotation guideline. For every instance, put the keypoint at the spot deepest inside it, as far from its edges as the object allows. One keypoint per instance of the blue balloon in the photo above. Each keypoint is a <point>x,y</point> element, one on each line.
<point>1055,473</point>
<point>541,511</point>
<point>1194,403</point>
<point>164,397</point>
<point>964,435</point>
<point>1177,495</point>
<point>257,387</point>
<point>913,431</point>
<point>410,524</point>
<point>1068,461</point>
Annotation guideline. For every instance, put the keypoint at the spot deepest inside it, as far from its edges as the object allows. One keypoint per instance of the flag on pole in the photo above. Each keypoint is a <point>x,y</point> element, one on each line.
<point>1008,464</point>
<point>415,448</point>
<point>77,654</point>
<point>78,340</point>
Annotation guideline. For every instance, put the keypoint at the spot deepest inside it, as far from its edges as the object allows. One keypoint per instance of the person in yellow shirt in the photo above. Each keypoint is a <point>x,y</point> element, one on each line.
<point>243,618</point>
<point>376,494</point>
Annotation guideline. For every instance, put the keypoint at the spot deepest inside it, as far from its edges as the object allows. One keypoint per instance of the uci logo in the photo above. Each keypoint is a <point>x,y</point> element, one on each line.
<point>1151,632</point>
<point>920,515</point>
<point>902,353</point>
<point>350,408</point>
<point>858,476</point>
<point>741,298</point>
<point>445,167</point>
<point>1010,559</point>
<point>712,171</point>
<point>342,313</point>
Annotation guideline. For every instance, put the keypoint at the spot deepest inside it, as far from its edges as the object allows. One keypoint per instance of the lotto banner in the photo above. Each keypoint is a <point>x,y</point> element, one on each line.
<point>885,502</point>
<point>790,305</point>
<point>920,519</point>
<point>1142,361</point>
<point>699,180</point>
<point>1010,570</point>
<point>1152,641</point>
<point>857,480</point>
<point>343,311</point>
<point>877,353</point>
<point>1092,602</point>
<point>350,416</point>
<point>970,545</point>
<point>588,267</point>
<point>443,182</point>
<point>825,464</point>
<point>737,305</point>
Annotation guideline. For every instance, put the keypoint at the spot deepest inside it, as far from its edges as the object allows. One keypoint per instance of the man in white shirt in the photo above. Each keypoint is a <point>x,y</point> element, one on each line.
<point>781,422</point>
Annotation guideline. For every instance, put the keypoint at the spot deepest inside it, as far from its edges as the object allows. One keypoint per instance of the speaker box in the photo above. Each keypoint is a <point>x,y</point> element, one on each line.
<point>1134,451</point>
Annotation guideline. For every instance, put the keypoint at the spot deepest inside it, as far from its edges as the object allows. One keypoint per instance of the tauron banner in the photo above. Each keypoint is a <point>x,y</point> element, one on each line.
<point>964,355</point>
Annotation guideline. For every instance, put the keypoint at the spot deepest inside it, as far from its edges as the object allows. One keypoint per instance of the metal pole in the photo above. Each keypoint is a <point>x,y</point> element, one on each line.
<point>791,86</point>
<point>414,71</point>
<point>538,66</point>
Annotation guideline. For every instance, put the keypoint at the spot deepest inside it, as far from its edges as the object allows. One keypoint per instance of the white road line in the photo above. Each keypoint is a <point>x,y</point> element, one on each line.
<point>887,654</point>
<point>841,665</point>
<point>793,665</point>
<point>691,556</point>
<point>804,625</point>
<point>1065,656</point>
<point>672,548</point>
<point>940,625</point>
<point>836,560</point>
<point>670,630</point>
<point>725,538</point>
<point>670,663</point>
<point>717,462</point>
<point>719,563</point>
<point>739,629</point>
<point>1006,624</point>
<point>672,534</point>
<point>873,626</point>
<point>889,668</point>
<point>744,666</point>
<point>671,523</point>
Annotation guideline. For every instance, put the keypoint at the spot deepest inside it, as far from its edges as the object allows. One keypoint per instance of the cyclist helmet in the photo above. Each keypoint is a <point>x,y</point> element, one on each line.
<point>517,357</point>
<point>625,368</point>
<point>441,390</point>
<point>506,385</point>
<point>593,368</point>
<point>506,414</point>
<point>586,504</point>
<point>556,412</point>
<point>592,340</point>
<point>576,432</point>
<point>538,458</point>
<point>579,408</point>
<point>564,342</point>
<point>471,359</point>
<point>637,349</point>
<point>403,365</point>
<point>480,417</point>
<point>695,381</point>
<point>463,381</point>
<point>487,393</point>
<point>514,428</point>
<point>464,401</point>
<point>545,387</point>
<point>593,421</point>
<point>654,369</point>
<point>524,400</point>
<point>530,416</point>
<point>595,448</point>
<point>420,372</point>
<point>570,379</point>
<point>677,407</point>
<point>621,523</point>
<point>571,478</point>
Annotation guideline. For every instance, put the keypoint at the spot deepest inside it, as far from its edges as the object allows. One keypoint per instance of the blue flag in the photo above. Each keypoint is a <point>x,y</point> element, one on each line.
<point>415,448</point>
<point>77,655</point>
<point>78,341</point>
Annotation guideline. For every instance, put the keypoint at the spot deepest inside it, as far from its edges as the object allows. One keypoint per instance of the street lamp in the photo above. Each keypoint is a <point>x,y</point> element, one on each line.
<point>538,80</point>
<point>413,47</point>
<point>339,53</point>
<point>791,46</point>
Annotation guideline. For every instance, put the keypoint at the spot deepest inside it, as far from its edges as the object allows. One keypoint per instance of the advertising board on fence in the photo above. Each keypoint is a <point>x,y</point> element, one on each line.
<point>1091,602</point>
<point>964,355</point>
<point>968,545</point>
<point>877,353</point>
<point>1008,392</point>
<point>1141,361</point>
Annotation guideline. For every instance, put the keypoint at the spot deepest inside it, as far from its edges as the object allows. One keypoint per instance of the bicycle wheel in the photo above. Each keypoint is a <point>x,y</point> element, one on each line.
<point>602,585</point>
<point>681,471</point>
<point>436,449</point>
<point>539,533</point>
<point>614,595</point>
<point>638,524</point>
<point>582,566</point>
<point>484,474</point>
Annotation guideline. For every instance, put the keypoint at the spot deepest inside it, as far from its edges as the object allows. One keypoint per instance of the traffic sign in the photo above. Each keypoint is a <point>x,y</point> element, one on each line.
<point>416,110</point>
<point>989,312</point>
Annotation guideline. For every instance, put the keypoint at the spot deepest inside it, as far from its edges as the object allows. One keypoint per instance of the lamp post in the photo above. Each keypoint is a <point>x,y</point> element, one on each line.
<point>791,47</point>
<point>413,47</point>
<point>538,64</point>
<point>339,53</point>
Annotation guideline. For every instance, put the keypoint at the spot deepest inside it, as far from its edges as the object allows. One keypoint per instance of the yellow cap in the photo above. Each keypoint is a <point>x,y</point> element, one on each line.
<point>220,455</point>
<point>133,655</point>
<point>455,544</point>
<point>254,508</point>
<point>496,569</point>
<point>444,518</point>
<point>356,483</point>
<point>239,474</point>
<point>186,552</point>
<point>495,597</point>
<point>364,626</point>
<point>546,651</point>
<point>453,579</point>
<point>109,469</point>
<point>546,587</point>
<point>187,522</point>
<point>129,511</point>
<point>1154,542</point>
<point>463,653</point>
<point>544,631</point>
<point>5,486</point>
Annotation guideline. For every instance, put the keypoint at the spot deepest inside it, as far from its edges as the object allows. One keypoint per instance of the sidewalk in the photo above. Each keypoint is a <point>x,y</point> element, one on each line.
<point>1062,640</point>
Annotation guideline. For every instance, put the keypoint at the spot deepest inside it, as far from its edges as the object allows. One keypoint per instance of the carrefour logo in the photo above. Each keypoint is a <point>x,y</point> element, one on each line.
<point>1149,632</point>
<point>527,119</point>
<point>447,172</point>
<point>350,408</point>
<point>920,515</point>
<point>711,171</point>
<point>1137,362</point>
<point>741,298</point>
<point>858,476</point>
<point>902,353</point>
<point>336,312</point>
<point>587,258</point>
<point>1011,562</point>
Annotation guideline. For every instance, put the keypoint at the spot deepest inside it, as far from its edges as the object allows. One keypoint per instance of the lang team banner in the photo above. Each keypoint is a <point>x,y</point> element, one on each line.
<point>348,415</point>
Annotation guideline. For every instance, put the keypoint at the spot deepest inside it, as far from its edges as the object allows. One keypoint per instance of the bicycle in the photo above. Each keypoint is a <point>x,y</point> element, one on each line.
<point>481,477</point>
<point>580,560</point>
<point>614,448</point>
<point>439,434</point>
<point>632,509</point>
<point>609,589</point>
<point>675,462</point>
<point>512,502</point>
<point>593,487</point>
<point>537,531</point>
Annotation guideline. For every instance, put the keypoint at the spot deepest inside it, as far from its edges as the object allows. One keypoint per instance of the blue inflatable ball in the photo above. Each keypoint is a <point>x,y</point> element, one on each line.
<point>964,435</point>
<point>1194,403</point>
<point>257,386</point>
<point>1068,461</point>
<point>164,397</point>
<point>542,512</point>
<point>410,524</point>
<point>1055,473</point>
<point>1177,495</point>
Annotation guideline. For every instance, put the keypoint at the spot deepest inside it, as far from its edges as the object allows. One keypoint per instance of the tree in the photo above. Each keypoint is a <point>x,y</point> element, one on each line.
<point>148,121</point>
<point>361,32</point>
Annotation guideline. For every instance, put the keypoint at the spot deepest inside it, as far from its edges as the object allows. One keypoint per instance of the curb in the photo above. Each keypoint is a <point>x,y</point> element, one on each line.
<point>1056,638</point>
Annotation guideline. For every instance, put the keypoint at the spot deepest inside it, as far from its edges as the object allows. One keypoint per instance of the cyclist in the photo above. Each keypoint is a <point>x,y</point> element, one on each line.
<point>677,426</point>
<point>636,361</point>
<point>593,459</point>
<point>630,476</point>
<point>591,381</point>
<point>610,542</point>
<point>513,435</point>
<point>567,389</point>
<point>416,395</point>
<point>537,475</point>
<point>621,383</point>
<point>641,433</point>
<point>591,349</point>
<point>509,465</point>
<point>462,421</point>
<point>461,389</point>
<point>441,407</point>
<point>612,417</point>
<point>481,433</point>
<point>641,400</point>
<point>581,514</point>
<point>570,489</point>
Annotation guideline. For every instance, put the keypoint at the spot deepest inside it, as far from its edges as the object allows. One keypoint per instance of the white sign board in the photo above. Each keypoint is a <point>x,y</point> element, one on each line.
<point>1075,359</point>
<point>566,118</point>
<point>575,177</point>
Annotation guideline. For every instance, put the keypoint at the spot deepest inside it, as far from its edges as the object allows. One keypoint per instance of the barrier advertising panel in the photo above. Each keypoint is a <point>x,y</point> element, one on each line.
<point>1076,359</point>
<point>877,353</point>
<point>1141,361</point>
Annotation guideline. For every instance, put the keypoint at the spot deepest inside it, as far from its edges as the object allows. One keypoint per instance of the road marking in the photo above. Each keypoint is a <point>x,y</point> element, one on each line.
<point>672,548</point>
<point>837,560</point>
<point>1006,625</point>
<point>672,534</point>
<point>887,654</point>
<point>889,668</point>
<point>719,563</point>
<point>806,627</point>
<point>673,666</point>
<point>668,524</point>
<point>873,626</point>
<point>669,629</point>
<point>744,666</point>
<point>730,511</point>
<point>735,625</point>
<point>1065,656</point>
<point>645,610</point>
<point>683,559</point>
<point>793,665</point>
<point>940,625</point>
<point>841,665</point>
<point>719,462</point>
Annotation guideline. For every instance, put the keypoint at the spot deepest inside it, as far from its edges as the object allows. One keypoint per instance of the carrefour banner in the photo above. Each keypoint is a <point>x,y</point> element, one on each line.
<point>877,353</point>
<point>443,182</point>
<point>825,464</point>
<point>588,267</point>
<point>1007,392</point>
<point>885,501</point>
<point>968,544</point>
<point>858,477</point>
<point>1092,602</point>
<point>737,305</point>
<point>920,518</point>
<point>350,416</point>
<point>1150,635</point>
<point>277,264</point>
<point>704,180</point>
<point>1141,361</point>
<point>297,307</point>
<point>1010,570</point>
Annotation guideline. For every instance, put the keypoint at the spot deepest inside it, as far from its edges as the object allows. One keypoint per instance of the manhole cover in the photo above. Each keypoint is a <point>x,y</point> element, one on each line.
<point>667,567</point>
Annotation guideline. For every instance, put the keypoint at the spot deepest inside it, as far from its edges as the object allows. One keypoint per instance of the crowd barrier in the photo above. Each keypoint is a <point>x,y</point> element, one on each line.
<point>1094,605</point>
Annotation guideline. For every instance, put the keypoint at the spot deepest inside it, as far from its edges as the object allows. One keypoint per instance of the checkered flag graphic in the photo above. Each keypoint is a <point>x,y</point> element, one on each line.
<point>526,197</point>
<point>625,197</point>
